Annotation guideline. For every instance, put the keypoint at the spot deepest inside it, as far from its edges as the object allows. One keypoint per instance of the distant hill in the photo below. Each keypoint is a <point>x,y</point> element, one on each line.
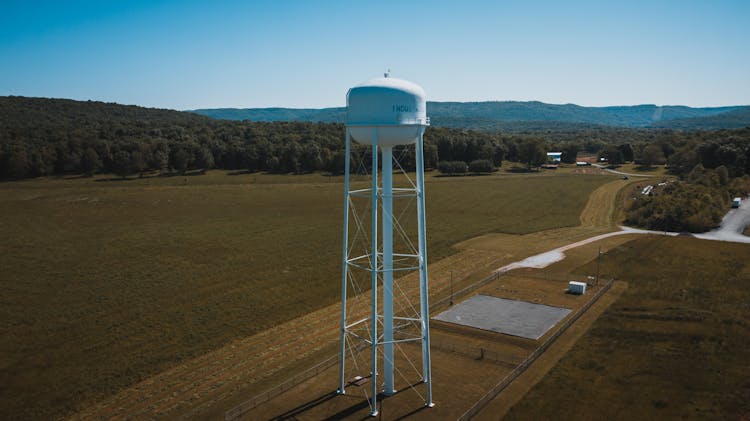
<point>19,111</point>
<point>520,116</point>
<point>734,119</point>
<point>515,126</point>
<point>47,136</point>
<point>621,116</point>
<point>324,115</point>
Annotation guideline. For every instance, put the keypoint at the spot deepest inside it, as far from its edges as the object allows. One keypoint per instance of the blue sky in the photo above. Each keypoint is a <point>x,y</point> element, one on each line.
<point>200,54</point>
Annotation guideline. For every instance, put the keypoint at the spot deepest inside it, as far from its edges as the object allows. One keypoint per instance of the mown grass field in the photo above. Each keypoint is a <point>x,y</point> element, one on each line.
<point>104,283</point>
<point>656,170</point>
<point>674,346</point>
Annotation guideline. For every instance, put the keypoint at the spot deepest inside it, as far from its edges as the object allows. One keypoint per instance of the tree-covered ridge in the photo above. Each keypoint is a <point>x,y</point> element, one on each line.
<point>535,111</point>
<point>519,116</point>
<point>736,118</point>
<point>20,112</point>
<point>49,136</point>
<point>323,115</point>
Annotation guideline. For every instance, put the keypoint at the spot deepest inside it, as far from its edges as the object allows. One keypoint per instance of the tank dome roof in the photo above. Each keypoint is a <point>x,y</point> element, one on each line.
<point>396,107</point>
<point>393,83</point>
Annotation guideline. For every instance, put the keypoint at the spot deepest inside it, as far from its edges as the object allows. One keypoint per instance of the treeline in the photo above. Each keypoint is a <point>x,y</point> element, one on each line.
<point>41,136</point>
<point>695,203</point>
<point>50,136</point>
<point>713,167</point>
<point>682,151</point>
<point>53,136</point>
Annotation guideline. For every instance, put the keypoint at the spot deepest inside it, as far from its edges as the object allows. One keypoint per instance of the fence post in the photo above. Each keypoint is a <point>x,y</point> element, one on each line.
<point>492,393</point>
<point>269,394</point>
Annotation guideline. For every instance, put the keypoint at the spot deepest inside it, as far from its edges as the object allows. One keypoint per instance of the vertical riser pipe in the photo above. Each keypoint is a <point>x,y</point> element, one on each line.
<point>345,269</point>
<point>374,272</point>
<point>423,287</point>
<point>387,218</point>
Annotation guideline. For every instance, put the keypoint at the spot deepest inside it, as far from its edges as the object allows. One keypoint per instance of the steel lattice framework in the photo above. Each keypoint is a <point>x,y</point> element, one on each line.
<point>381,246</point>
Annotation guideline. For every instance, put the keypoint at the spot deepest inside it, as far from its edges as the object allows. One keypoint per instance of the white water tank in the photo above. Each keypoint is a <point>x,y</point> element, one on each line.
<point>396,107</point>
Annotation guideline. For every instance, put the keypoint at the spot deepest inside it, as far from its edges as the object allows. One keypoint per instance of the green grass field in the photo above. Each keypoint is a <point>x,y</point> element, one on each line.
<point>656,170</point>
<point>674,346</point>
<point>104,283</point>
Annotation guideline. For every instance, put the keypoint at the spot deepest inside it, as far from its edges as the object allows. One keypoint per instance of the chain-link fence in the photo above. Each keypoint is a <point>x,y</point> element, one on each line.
<point>472,352</point>
<point>489,396</point>
<point>239,410</point>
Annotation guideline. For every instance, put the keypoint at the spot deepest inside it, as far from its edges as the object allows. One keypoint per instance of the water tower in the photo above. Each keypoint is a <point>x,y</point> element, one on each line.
<point>386,117</point>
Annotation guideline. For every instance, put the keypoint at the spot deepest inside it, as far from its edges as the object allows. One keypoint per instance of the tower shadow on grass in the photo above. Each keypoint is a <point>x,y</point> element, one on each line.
<point>292,413</point>
<point>357,407</point>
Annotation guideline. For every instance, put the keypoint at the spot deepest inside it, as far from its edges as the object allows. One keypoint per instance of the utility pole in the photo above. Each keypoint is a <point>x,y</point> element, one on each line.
<point>451,287</point>
<point>598,263</point>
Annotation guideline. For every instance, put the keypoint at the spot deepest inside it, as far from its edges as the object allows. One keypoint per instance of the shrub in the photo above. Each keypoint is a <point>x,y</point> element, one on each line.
<point>452,167</point>
<point>481,165</point>
<point>679,207</point>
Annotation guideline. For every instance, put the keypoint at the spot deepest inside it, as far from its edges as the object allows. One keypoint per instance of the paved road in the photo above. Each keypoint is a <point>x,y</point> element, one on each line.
<point>732,225</point>
<point>731,228</point>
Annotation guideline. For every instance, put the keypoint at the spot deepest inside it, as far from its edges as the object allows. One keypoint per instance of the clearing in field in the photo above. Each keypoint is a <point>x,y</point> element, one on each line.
<point>511,317</point>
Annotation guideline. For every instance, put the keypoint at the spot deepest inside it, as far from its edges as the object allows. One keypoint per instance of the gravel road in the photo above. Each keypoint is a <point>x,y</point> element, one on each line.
<point>600,166</point>
<point>731,228</point>
<point>732,225</point>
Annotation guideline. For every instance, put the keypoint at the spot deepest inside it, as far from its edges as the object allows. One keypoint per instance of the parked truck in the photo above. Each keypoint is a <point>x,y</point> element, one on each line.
<point>736,202</point>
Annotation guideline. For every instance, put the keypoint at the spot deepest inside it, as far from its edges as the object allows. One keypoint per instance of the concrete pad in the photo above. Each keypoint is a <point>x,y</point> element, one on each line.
<point>517,318</point>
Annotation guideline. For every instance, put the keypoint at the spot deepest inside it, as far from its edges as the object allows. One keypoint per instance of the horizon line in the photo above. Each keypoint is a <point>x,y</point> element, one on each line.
<point>344,106</point>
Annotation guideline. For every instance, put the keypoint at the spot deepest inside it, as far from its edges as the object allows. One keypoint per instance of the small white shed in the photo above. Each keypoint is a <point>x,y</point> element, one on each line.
<point>575,287</point>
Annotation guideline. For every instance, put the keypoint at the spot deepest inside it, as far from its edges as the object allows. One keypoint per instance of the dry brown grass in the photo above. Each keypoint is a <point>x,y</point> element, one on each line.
<point>673,346</point>
<point>461,376</point>
<point>477,258</point>
<point>499,406</point>
<point>107,283</point>
<point>655,170</point>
